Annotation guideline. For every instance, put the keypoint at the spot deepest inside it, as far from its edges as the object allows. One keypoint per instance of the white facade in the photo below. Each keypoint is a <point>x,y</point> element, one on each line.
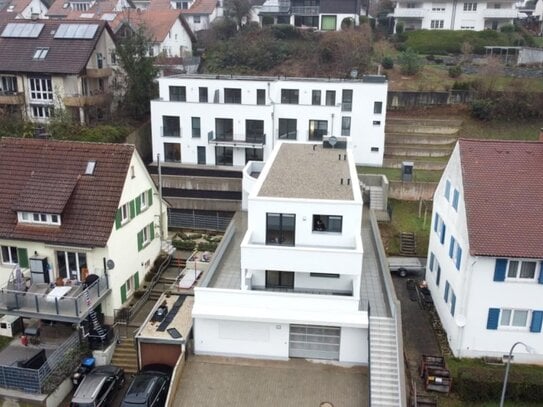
<point>254,114</point>
<point>307,282</point>
<point>449,15</point>
<point>475,305</point>
<point>177,43</point>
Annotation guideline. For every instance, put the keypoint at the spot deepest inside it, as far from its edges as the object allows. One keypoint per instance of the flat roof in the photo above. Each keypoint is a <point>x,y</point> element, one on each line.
<point>309,171</point>
<point>362,79</point>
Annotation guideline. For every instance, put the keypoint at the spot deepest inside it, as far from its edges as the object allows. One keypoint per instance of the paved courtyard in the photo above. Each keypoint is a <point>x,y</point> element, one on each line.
<point>222,381</point>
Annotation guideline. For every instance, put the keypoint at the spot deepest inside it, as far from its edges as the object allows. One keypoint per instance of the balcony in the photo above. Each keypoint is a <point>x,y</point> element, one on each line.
<point>43,302</point>
<point>409,12</point>
<point>500,13</point>
<point>77,100</point>
<point>99,72</point>
<point>238,140</point>
<point>11,98</point>
<point>283,8</point>
<point>305,10</point>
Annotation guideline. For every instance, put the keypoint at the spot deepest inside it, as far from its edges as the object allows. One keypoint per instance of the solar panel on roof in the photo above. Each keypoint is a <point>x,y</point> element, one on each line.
<point>76,31</point>
<point>22,30</point>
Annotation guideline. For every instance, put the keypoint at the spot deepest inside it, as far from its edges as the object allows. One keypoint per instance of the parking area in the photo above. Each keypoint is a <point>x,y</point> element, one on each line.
<point>221,381</point>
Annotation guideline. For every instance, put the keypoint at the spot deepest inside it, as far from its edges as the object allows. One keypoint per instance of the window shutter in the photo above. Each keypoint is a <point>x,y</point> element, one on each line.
<point>446,295</point>
<point>140,241</point>
<point>132,209</point>
<point>22,257</point>
<point>118,219</point>
<point>493,318</point>
<point>499,271</point>
<point>137,280</point>
<point>432,260</point>
<point>458,257</point>
<point>537,321</point>
<point>436,218</point>
<point>453,303</point>
<point>541,273</point>
<point>152,230</point>
<point>438,275</point>
<point>443,233</point>
<point>150,193</point>
<point>138,205</point>
<point>451,247</point>
<point>123,293</point>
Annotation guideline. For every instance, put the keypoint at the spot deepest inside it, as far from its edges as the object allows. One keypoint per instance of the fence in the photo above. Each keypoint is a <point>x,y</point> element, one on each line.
<point>49,375</point>
<point>403,99</point>
<point>199,219</point>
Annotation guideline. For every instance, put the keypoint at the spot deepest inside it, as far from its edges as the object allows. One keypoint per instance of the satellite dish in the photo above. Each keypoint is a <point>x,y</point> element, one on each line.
<point>110,264</point>
<point>332,141</point>
<point>461,320</point>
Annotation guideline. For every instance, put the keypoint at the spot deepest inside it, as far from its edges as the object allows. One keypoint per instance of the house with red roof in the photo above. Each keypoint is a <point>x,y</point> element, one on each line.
<point>74,215</point>
<point>26,9</point>
<point>485,255</point>
<point>56,64</point>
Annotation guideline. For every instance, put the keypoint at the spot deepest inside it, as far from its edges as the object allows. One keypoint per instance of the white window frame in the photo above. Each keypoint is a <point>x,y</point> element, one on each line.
<point>517,276</point>
<point>125,213</point>
<point>41,90</point>
<point>42,111</point>
<point>470,6</point>
<point>39,218</point>
<point>437,24</point>
<point>130,286</point>
<point>11,260</point>
<point>143,200</point>
<point>508,324</point>
<point>146,236</point>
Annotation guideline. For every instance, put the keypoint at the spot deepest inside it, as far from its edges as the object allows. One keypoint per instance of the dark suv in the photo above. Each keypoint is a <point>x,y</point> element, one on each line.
<point>149,388</point>
<point>98,387</point>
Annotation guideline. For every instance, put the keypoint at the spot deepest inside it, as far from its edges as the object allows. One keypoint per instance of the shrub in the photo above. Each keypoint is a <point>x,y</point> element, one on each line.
<point>409,61</point>
<point>188,245</point>
<point>507,28</point>
<point>285,32</point>
<point>465,85</point>
<point>482,109</point>
<point>207,246</point>
<point>455,71</point>
<point>387,63</point>
<point>399,28</point>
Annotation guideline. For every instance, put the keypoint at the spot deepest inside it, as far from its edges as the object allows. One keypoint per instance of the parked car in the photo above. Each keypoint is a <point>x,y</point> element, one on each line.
<point>404,266</point>
<point>149,387</point>
<point>98,387</point>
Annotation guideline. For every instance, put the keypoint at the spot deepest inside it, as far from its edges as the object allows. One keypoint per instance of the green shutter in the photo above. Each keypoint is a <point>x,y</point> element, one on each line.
<point>152,231</point>
<point>118,219</point>
<point>123,293</point>
<point>137,280</point>
<point>22,256</point>
<point>138,205</point>
<point>132,209</point>
<point>140,241</point>
<point>150,197</point>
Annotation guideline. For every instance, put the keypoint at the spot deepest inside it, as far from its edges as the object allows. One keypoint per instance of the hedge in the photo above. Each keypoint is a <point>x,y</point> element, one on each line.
<point>449,41</point>
<point>189,245</point>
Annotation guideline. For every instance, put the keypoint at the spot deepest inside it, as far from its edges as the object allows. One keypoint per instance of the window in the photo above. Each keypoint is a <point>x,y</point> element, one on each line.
<point>345,126</point>
<point>201,153</point>
<point>172,152</point>
<point>143,200</point>
<point>8,84</point>
<point>438,8</point>
<point>317,129</point>
<point>439,228</point>
<point>196,19</point>
<point>202,95</point>
<point>42,112</point>
<point>280,229</point>
<point>316,97</point>
<point>375,149</point>
<point>327,223</point>
<point>254,131</point>
<point>521,269</point>
<point>290,96</point>
<point>178,93</point>
<point>513,318</point>
<point>261,96</point>
<point>9,255</point>
<point>145,236</point>
<point>279,279</point>
<point>324,275</point>
<point>450,298</point>
<point>520,319</point>
<point>432,262</point>
<point>455,252</point>
<point>170,126</point>
<point>195,126</point>
<point>40,53</point>
<point>224,129</point>
<point>470,6</point>
<point>438,274</point>
<point>232,95</point>
<point>125,213</point>
<point>377,107</point>
<point>447,190</point>
<point>113,57</point>
<point>347,100</point>
<point>330,98</point>
<point>437,24</point>
<point>456,196</point>
<point>43,218</point>
<point>41,89</point>
<point>329,23</point>
<point>71,265</point>
<point>99,60</point>
<point>376,122</point>
<point>254,154</point>
<point>287,129</point>
<point>224,155</point>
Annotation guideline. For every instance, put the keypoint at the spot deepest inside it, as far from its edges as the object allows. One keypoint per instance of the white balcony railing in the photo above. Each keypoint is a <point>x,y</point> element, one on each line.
<point>409,12</point>
<point>500,13</point>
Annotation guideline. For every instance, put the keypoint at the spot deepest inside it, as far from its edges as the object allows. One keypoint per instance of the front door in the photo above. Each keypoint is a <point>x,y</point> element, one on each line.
<point>201,155</point>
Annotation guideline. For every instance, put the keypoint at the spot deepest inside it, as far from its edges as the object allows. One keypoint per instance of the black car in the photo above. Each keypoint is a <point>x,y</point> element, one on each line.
<point>149,387</point>
<point>98,387</point>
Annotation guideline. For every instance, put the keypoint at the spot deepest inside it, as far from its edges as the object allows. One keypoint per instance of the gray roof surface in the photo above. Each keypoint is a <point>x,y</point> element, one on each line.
<point>308,171</point>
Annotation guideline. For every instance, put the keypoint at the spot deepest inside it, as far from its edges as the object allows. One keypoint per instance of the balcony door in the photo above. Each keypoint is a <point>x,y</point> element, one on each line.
<point>280,279</point>
<point>72,265</point>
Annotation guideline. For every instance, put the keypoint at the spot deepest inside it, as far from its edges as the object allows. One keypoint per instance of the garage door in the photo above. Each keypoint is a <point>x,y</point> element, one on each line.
<point>314,342</point>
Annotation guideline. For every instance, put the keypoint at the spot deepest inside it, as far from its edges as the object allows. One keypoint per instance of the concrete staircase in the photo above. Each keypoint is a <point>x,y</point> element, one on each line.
<point>376,199</point>
<point>385,389</point>
<point>125,356</point>
<point>408,245</point>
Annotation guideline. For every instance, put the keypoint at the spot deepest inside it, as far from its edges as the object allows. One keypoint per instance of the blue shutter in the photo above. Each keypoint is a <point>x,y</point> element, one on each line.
<point>493,318</point>
<point>446,295</point>
<point>443,233</point>
<point>436,219</point>
<point>456,195</point>
<point>438,275</point>
<point>541,272</point>
<point>451,247</point>
<point>458,257</point>
<point>537,321</point>
<point>432,260</point>
<point>453,303</point>
<point>499,270</point>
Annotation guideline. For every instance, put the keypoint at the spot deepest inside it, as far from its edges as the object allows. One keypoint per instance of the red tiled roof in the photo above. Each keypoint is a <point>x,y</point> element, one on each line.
<point>89,211</point>
<point>202,7</point>
<point>56,187</point>
<point>503,188</point>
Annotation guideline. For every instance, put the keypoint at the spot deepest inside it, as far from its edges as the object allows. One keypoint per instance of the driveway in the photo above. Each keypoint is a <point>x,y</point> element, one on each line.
<point>222,381</point>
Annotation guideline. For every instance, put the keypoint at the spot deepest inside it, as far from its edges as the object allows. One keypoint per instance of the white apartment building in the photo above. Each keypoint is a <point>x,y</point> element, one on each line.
<point>230,120</point>
<point>452,15</point>
<point>298,291</point>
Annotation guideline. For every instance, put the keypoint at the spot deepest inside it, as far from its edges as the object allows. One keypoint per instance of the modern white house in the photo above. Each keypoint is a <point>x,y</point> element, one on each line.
<point>230,120</point>
<point>451,15</point>
<point>298,291</point>
<point>73,210</point>
<point>485,258</point>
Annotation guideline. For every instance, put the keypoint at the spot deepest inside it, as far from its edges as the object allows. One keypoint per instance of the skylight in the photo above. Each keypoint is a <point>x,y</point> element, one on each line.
<point>40,53</point>
<point>91,165</point>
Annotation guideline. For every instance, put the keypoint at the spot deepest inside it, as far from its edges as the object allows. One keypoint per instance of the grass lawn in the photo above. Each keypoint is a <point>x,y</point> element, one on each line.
<point>500,129</point>
<point>394,174</point>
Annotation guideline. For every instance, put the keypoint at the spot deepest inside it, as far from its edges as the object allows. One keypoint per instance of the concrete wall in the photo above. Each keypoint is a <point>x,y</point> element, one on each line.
<point>403,99</point>
<point>530,56</point>
<point>411,191</point>
<point>141,138</point>
<point>353,347</point>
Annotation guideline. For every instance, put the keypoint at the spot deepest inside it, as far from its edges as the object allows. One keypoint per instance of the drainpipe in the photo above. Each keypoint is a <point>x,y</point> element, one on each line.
<point>160,199</point>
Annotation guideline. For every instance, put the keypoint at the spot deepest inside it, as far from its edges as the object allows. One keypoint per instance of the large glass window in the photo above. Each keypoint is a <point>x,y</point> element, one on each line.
<point>254,154</point>
<point>172,152</point>
<point>170,126</point>
<point>41,89</point>
<point>290,96</point>
<point>178,93</point>
<point>9,255</point>
<point>71,264</point>
<point>202,95</point>
<point>347,100</point>
<point>316,97</point>
<point>261,96</point>
<point>329,23</point>
<point>280,229</point>
<point>279,279</point>
<point>317,129</point>
<point>201,151</point>
<point>254,131</point>
<point>195,126</point>
<point>224,129</point>
<point>287,129</point>
<point>330,98</point>
<point>327,223</point>
<point>232,95</point>
<point>513,318</point>
<point>8,84</point>
<point>521,269</point>
<point>377,107</point>
<point>224,155</point>
<point>345,126</point>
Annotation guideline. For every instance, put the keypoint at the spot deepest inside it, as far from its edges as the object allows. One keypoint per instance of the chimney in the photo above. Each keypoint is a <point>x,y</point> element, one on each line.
<point>541,134</point>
